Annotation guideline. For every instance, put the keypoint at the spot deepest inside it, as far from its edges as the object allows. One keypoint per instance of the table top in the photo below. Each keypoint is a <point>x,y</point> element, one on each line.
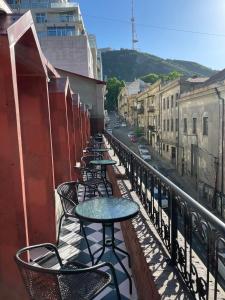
<point>107,209</point>
<point>99,150</point>
<point>103,162</point>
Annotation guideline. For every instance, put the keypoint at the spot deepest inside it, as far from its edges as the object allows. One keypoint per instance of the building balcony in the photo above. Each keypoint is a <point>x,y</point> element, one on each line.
<point>151,109</point>
<point>152,128</point>
<point>62,19</point>
<point>43,4</point>
<point>140,110</point>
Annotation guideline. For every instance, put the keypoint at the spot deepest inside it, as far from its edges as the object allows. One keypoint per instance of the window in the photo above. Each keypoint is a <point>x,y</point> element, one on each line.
<point>185,125</point>
<point>42,34</point>
<point>194,125</point>
<point>167,148</point>
<point>40,17</point>
<point>177,96</point>
<point>205,126</point>
<point>61,31</point>
<point>177,124</point>
<point>164,147</point>
<point>171,124</point>
<point>164,103</point>
<point>66,17</point>
<point>164,125</point>
<point>171,101</point>
<point>168,125</point>
<point>168,102</point>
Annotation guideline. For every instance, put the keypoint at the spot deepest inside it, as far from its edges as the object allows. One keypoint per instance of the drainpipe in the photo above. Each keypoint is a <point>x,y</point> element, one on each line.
<point>222,158</point>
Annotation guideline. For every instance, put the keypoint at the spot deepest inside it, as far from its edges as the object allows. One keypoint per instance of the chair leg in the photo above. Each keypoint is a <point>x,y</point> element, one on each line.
<point>115,282</point>
<point>59,230</point>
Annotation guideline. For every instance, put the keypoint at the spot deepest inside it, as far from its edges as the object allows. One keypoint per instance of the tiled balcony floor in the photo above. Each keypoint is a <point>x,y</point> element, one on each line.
<point>73,246</point>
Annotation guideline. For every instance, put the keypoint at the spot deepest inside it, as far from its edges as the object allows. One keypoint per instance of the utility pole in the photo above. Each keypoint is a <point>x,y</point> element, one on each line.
<point>134,35</point>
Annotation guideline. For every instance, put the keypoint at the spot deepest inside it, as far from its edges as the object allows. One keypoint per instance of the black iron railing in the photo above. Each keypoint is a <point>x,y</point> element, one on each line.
<point>194,237</point>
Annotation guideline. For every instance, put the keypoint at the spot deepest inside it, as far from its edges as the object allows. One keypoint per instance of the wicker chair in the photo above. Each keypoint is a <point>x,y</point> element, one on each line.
<point>68,194</point>
<point>71,281</point>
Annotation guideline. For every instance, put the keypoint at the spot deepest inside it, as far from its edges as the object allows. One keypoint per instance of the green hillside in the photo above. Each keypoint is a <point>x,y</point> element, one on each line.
<point>130,64</point>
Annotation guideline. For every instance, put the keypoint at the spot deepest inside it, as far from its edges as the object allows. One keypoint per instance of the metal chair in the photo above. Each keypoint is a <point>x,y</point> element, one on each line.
<point>70,281</point>
<point>92,176</point>
<point>68,194</point>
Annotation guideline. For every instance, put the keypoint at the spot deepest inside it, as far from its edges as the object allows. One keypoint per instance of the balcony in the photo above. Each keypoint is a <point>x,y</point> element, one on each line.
<point>152,128</point>
<point>172,237</point>
<point>62,19</point>
<point>151,109</point>
<point>41,4</point>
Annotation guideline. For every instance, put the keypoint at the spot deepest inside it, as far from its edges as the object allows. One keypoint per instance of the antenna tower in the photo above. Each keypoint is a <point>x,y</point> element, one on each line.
<point>134,34</point>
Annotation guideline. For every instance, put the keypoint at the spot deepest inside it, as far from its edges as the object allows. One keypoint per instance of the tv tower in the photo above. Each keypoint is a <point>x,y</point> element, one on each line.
<point>134,34</point>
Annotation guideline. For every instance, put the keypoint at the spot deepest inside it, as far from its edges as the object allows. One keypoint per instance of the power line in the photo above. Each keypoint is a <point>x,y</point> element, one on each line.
<point>158,27</point>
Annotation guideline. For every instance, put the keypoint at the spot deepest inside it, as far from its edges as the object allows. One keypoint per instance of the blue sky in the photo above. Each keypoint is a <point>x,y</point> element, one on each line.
<point>161,27</point>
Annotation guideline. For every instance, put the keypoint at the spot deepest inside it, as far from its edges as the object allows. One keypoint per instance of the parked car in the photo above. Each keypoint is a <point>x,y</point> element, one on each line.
<point>144,151</point>
<point>146,157</point>
<point>133,139</point>
<point>130,134</point>
<point>141,146</point>
<point>109,130</point>
<point>123,124</point>
<point>117,125</point>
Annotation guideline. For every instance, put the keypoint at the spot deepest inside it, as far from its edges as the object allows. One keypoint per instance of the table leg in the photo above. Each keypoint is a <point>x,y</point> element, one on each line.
<point>119,261</point>
<point>111,243</point>
<point>85,237</point>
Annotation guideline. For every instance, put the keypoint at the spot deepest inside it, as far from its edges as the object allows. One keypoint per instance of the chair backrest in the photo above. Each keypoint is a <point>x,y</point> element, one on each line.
<point>41,283</point>
<point>68,193</point>
<point>86,160</point>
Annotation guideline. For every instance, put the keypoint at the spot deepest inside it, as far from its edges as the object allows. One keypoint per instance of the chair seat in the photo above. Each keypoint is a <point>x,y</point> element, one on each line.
<point>82,286</point>
<point>93,181</point>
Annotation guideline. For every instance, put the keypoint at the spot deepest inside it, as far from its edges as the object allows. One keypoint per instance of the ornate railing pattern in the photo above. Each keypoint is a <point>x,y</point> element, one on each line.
<point>194,237</point>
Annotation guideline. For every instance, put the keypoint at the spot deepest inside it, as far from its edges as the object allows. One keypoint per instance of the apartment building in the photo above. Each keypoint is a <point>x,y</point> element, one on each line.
<point>62,34</point>
<point>201,136</point>
<point>127,107</point>
<point>169,113</point>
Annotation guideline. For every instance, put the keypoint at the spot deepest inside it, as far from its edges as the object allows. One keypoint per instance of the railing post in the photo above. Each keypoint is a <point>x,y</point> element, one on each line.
<point>132,172</point>
<point>173,210</point>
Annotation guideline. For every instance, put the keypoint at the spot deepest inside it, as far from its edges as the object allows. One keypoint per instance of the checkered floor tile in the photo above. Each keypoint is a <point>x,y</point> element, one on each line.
<point>73,247</point>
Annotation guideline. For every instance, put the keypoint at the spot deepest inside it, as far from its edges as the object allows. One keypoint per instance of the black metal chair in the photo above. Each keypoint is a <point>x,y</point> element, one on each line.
<point>68,194</point>
<point>94,176</point>
<point>71,281</point>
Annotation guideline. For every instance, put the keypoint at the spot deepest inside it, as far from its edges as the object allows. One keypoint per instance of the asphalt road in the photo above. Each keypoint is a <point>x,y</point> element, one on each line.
<point>162,165</point>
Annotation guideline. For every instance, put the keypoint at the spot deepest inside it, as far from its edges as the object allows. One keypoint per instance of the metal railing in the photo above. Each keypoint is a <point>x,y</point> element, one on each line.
<point>193,236</point>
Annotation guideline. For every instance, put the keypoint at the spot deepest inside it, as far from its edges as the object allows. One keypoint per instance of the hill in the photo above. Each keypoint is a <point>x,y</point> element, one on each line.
<point>130,64</point>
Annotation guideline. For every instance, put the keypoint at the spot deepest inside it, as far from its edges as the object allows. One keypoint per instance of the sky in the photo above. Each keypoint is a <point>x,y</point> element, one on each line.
<point>178,29</point>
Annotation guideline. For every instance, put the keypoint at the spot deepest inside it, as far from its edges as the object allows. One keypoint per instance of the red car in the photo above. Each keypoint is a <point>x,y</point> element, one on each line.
<point>133,139</point>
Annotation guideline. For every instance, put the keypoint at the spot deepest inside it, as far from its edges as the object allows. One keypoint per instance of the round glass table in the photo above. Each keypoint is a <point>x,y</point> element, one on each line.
<point>108,210</point>
<point>103,163</point>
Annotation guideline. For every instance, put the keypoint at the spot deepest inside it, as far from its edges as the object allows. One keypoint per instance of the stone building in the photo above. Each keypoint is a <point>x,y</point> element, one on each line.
<point>201,136</point>
<point>169,114</point>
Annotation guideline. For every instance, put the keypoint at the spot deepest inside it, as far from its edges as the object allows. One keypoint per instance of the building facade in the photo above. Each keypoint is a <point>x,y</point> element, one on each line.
<point>62,34</point>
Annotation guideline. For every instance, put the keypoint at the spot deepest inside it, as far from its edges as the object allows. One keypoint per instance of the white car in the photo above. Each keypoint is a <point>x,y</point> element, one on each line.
<point>123,124</point>
<point>130,134</point>
<point>144,151</point>
<point>146,157</point>
<point>109,130</point>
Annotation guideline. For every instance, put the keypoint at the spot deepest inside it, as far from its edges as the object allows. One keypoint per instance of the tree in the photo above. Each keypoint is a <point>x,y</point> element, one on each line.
<point>113,86</point>
<point>152,77</point>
